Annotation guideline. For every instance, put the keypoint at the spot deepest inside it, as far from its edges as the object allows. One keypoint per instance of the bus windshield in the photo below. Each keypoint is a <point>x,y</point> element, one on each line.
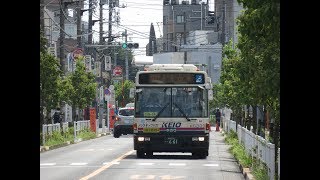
<point>188,102</point>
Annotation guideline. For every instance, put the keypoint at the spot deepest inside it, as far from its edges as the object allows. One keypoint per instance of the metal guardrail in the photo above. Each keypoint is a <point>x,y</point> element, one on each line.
<point>48,129</point>
<point>79,126</point>
<point>256,146</point>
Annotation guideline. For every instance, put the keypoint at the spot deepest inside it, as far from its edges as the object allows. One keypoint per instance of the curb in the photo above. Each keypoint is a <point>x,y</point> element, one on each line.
<point>48,148</point>
<point>246,173</point>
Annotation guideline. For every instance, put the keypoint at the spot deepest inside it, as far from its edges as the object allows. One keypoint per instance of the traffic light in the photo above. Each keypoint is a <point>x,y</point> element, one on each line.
<point>130,45</point>
<point>124,45</point>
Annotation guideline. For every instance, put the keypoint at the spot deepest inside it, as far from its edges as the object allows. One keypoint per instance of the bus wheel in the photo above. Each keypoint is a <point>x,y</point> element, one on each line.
<point>149,154</point>
<point>200,155</point>
<point>140,154</point>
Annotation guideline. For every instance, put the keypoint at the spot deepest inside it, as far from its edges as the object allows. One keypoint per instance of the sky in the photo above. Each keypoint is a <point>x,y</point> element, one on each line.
<point>136,17</point>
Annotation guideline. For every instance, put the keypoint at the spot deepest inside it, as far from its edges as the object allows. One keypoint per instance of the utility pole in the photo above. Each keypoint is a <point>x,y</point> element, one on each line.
<point>126,53</point>
<point>110,21</point>
<point>90,23</point>
<point>62,35</point>
<point>223,24</point>
<point>79,23</point>
<point>115,56</point>
<point>101,27</point>
<point>101,41</point>
<point>184,37</point>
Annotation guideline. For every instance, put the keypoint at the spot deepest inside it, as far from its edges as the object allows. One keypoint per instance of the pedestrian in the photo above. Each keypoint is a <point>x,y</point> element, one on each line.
<point>57,117</point>
<point>218,117</point>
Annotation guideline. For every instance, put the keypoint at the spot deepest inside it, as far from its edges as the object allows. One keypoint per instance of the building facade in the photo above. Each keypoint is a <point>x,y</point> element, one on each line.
<point>181,17</point>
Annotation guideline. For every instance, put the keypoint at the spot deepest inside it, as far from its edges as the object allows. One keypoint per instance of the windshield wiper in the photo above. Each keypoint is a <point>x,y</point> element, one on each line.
<point>184,114</point>
<point>160,112</point>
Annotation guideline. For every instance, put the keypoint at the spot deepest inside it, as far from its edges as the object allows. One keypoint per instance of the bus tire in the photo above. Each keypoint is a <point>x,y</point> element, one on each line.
<point>140,154</point>
<point>149,154</point>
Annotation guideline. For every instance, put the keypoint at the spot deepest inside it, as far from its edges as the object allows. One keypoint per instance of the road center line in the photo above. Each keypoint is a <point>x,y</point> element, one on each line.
<point>96,172</point>
<point>177,164</point>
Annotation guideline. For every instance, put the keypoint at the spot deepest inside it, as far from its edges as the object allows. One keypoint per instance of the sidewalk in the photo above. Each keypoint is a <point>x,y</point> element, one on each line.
<point>99,134</point>
<point>245,171</point>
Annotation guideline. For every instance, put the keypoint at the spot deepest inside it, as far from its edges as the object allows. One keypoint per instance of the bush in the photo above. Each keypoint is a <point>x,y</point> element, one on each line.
<point>259,170</point>
<point>54,139</point>
<point>237,150</point>
<point>87,134</point>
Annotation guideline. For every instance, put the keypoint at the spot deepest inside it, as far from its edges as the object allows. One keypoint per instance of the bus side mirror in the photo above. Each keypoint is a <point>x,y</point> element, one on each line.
<point>210,94</point>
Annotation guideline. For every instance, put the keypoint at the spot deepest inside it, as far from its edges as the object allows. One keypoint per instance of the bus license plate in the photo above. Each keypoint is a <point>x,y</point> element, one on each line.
<point>171,140</point>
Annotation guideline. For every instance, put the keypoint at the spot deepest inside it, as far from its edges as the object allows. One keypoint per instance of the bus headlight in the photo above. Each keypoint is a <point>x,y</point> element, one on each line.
<point>143,139</point>
<point>201,138</point>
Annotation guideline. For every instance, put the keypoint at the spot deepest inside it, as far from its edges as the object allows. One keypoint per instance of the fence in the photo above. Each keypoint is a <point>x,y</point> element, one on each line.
<point>256,146</point>
<point>79,126</point>
<point>48,129</point>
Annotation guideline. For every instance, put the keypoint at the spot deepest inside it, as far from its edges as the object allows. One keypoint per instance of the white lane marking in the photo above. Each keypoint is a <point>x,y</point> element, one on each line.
<point>48,164</point>
<point>111,163</point>
<point>137,176</point>
<point>211,165</point>
<point>87,150</point>
<point>110,149</point>
<point>177,164</point>
<point>145,164</point>
<point>78,164</point>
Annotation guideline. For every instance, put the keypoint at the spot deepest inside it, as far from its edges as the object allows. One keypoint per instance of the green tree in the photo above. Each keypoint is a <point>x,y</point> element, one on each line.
<point>49,84</point>
<point>122,90</point>
<point>251,72</point>
<point>79,88</point>
<point>43,43</point>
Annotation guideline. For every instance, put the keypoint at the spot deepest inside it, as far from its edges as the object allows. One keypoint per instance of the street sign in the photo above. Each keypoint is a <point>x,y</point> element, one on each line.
<point>117,71</point>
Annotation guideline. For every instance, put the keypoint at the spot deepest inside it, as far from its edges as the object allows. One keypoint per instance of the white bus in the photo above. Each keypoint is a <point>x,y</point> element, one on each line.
<point>172,110</point>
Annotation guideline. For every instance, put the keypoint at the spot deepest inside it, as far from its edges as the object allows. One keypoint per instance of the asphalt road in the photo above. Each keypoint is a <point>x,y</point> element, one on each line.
<point>109,158</point>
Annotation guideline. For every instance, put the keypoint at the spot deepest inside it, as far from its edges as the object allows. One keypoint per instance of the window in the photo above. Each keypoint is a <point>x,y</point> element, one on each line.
<point>180,19</point>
